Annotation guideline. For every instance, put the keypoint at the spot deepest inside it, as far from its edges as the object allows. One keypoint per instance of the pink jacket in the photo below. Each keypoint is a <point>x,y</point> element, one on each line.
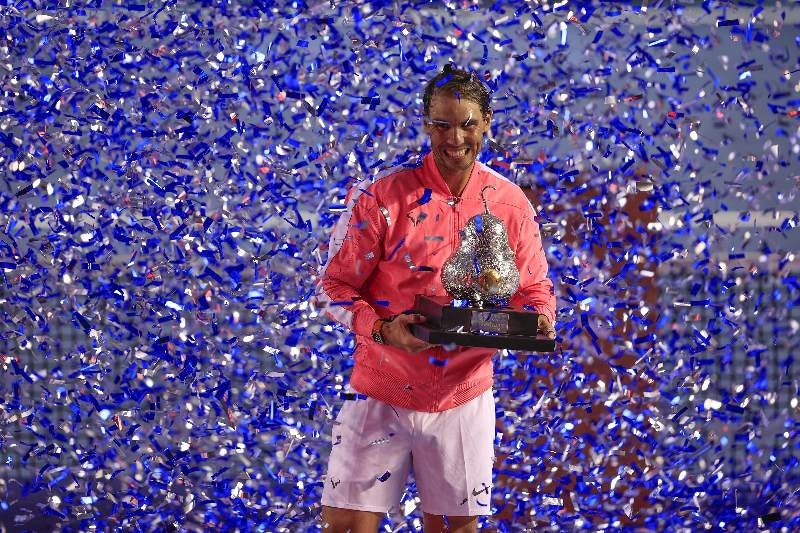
<point>390,245</point>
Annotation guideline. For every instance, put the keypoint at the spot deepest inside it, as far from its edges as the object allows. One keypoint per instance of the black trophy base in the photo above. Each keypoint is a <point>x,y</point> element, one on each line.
<point>490,327</point>
<point>498,341</point>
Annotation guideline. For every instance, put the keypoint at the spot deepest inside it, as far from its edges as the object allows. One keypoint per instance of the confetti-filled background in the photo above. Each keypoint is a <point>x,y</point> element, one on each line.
<point>170,175</point>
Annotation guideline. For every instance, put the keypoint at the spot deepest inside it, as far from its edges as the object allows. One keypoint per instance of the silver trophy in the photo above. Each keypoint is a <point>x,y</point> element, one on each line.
<point>480,279</point>
<point>482,271</point>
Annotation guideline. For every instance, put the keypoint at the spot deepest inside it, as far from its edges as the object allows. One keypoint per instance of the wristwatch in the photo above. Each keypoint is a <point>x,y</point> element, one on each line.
<point>377,334</point>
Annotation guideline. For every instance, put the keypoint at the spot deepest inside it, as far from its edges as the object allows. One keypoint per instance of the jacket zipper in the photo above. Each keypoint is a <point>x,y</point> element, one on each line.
<point>453,201</point>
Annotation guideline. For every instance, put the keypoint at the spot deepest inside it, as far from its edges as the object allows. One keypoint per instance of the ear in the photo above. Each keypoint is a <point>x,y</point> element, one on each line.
<point>488,119</point>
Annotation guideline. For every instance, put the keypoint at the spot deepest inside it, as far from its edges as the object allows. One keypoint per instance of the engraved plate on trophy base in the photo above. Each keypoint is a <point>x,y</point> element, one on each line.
<point>488,322</point>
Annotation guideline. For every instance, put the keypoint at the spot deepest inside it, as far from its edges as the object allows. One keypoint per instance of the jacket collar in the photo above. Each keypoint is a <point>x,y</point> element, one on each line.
<point>433,178</point>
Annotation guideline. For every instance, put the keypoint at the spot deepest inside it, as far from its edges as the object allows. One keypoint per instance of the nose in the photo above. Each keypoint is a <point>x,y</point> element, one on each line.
<point>456,135</point>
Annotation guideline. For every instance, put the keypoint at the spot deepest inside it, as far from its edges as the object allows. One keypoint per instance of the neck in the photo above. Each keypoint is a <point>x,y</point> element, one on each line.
<point>457,182</point>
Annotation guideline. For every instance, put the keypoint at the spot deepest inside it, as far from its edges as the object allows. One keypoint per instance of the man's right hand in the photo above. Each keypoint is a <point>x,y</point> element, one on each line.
<point>397,333</point>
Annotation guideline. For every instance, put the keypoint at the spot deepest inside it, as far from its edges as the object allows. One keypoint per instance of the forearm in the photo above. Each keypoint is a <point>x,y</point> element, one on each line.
<point>539,296</point>
<point>536,288</point>
<point>344,304</point>
<point>353,251</point>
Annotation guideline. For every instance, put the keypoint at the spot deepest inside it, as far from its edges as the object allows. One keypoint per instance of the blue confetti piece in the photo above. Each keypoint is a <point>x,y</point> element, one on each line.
<point>426,197</point>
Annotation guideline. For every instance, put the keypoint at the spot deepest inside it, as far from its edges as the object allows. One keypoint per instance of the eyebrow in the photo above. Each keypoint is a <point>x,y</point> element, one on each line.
<point>466,122</point>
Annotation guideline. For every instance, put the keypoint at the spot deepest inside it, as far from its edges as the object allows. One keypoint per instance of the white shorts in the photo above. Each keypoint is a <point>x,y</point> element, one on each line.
<point>375,446</point>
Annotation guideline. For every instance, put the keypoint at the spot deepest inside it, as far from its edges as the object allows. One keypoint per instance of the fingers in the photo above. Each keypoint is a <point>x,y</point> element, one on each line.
<point>410,319</point>
<point>418,345</point>
<point>398,333</point>
<point>408,342</point>
<point>546,329</point>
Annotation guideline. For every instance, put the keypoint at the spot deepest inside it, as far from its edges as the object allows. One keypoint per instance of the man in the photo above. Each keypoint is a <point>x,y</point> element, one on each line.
<point>421,407</point>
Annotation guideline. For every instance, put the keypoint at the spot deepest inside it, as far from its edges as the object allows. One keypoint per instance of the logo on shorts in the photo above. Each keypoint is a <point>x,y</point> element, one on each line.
<point>335,482</point>
<point>485,490</point>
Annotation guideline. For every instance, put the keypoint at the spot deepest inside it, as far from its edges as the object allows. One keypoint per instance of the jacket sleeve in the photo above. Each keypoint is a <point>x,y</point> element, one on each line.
<point>535,288</point>
<point>354,251</point>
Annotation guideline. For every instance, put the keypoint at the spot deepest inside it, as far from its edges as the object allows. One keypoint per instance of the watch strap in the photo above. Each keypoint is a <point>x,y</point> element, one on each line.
<point>377,331</point>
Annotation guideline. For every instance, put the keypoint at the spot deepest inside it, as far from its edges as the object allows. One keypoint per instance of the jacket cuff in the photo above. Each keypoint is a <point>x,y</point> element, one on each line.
<point>363,319</point>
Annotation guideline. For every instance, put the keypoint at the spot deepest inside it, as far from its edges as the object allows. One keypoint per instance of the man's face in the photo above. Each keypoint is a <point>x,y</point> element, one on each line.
<point>456,128</point>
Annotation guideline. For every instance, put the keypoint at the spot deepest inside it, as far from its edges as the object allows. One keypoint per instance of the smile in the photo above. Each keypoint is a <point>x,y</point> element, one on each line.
<point>455,154</point>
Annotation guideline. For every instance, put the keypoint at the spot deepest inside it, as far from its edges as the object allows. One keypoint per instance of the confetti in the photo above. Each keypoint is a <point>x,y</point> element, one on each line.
<point>172,177</point>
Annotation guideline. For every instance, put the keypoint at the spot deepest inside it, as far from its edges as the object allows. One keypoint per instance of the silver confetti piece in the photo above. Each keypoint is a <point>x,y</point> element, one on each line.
<point>385,213</point>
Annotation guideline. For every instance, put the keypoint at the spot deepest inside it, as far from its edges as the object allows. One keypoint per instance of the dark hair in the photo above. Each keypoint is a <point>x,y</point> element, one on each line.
<point>457,82</point>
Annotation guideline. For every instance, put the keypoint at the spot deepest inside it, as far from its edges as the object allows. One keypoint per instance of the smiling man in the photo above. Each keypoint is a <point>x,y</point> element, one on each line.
<point>419,407</point>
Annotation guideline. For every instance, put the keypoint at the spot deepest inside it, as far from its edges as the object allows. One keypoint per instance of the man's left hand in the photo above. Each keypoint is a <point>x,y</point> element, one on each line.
<point>546,328</point>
